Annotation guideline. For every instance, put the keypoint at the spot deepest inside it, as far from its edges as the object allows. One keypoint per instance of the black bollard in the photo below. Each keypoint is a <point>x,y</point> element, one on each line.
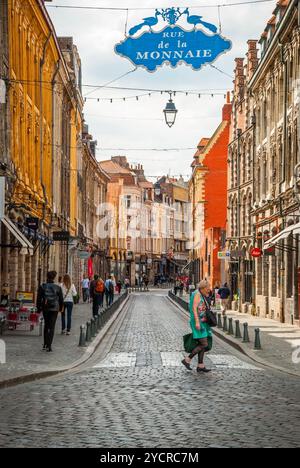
<point>219,320</point>
<point>246,338</point>
<point>82,338</point>
<point>93,327</point>
<point>237,329</point>
<point>257,343</point>
<point>88,332</point>
<point>230,328</point>
<point>225,326</point>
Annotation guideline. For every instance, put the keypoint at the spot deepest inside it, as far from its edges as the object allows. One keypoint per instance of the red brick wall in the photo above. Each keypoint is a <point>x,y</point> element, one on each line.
<point>216,182</point>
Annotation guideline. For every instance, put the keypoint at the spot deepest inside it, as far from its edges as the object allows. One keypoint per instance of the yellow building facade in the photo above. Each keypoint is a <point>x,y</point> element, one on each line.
<point>38,82</point>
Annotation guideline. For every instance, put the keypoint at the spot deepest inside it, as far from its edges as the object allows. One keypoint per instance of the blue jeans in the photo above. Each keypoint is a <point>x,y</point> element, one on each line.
<point>69,309</point>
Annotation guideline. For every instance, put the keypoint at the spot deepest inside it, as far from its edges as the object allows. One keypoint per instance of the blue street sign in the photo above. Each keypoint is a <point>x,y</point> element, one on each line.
<point>173,45</point>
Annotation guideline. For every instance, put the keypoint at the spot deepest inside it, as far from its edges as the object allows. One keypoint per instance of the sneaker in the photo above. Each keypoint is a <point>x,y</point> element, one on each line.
<point>49,350</point>
<point>44,348</point>
<point>63,332</point>
<point>68,333</point>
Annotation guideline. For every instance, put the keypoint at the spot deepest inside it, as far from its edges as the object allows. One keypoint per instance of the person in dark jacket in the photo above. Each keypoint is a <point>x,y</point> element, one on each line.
<point>50,302</point>
<point>97,289</point>
<point>224,293</point>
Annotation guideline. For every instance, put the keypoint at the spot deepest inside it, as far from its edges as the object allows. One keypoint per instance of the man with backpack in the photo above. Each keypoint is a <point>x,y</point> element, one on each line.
<point>109,291</point>
<point>97,289</point>
<point>50,301</point>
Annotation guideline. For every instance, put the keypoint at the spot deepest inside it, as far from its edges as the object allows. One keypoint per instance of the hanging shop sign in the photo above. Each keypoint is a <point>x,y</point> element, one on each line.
<point>224,255</point>
<point>83,254</point>
<point>33,223</point>
<point>173,45</point>
<point>256,253</point>
<point>61,236</point>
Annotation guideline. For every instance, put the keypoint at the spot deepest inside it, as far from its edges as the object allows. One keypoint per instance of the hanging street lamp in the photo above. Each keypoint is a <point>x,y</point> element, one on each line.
<point>170,112</point>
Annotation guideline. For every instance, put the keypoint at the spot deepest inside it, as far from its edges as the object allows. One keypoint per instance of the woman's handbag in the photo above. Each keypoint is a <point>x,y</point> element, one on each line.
<point>211,318</point>
<point>189,343</point>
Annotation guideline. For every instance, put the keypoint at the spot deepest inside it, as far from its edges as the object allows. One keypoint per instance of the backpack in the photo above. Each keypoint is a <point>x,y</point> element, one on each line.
<point>50,298</point>
<point>111,288</point>
<point>99,287</point>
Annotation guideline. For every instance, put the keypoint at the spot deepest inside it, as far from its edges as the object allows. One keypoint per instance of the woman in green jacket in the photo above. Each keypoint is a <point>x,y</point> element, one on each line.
<point>200,328</point>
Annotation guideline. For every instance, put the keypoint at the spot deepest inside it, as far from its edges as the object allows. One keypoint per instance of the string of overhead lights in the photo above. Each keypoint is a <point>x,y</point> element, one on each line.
<point>150,92</point>
<point>204,5</point>
<point>138,97</point>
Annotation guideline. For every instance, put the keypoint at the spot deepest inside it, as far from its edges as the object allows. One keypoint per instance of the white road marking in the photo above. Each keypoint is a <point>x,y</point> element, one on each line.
<point>294,343</point>
<point>118,360</point>
<point>172,359</point>
<point>294,335</point>
<point>224,361</point>
<point>220,361</point>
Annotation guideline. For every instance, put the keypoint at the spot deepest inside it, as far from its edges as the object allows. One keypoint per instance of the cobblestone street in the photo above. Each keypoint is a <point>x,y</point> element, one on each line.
<point>139,395</point>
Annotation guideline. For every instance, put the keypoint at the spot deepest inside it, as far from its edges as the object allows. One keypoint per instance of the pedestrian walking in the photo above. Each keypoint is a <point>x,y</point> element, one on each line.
<point>85,285</point>
<point>69,295</point>
<point>127,283</point>
<point>50,302</point>
<point>146,283</point>
<point>97,289</point>
<point>109,291</point>
<point>201,330</point>
<point>119,287</point>
<point>224,293</point>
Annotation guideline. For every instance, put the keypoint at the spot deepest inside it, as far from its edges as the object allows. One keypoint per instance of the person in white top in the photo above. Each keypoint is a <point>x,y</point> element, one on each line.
<point>69,292</point>
<point>85,284</point>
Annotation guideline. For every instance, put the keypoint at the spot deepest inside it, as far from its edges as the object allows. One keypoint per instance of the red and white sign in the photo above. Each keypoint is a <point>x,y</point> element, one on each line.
<point>256,252</point>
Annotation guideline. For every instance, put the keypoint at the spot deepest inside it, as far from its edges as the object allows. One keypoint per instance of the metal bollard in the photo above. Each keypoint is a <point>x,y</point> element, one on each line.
<point>93,327</point>
<point>257,343</point>
<point>246,338</point>
<point>82,338</point>
<point>237,329</point>
<point>88,332</point>
<point>230,328</point>
<point>219,320</point>
<point>225,326</point>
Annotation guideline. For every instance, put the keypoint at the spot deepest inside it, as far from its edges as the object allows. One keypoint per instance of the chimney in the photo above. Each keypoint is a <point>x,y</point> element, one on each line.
<point>252,58</point>
<point>227,109</point>
<point>239,81</point>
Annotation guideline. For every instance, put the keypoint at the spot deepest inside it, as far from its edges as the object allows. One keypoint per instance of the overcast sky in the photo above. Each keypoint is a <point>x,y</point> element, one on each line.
<point>140,124</point>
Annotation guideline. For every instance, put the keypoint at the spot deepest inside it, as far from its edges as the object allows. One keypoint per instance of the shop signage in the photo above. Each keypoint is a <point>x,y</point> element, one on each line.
<point>25,297</point>
<point>224,255</point>
<point>256,252</point>
<point>61,236</point>
<point>32,223</point>
<point>173,45</point>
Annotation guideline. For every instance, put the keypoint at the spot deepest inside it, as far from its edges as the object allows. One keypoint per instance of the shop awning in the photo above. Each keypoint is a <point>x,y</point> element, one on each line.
<point>294,229</point>
<point>26,246</point>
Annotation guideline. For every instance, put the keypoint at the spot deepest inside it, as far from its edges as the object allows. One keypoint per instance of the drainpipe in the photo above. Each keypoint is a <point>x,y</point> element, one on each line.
<point>53,83</point>
<point>239,133</point>
<point>253,201</point>
<point>283,175</point>
<point>42,63</point>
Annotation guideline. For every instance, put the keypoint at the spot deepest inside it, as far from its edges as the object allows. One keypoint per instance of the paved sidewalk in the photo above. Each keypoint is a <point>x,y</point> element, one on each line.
<point>24,355</point>
<point>280,342</point>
